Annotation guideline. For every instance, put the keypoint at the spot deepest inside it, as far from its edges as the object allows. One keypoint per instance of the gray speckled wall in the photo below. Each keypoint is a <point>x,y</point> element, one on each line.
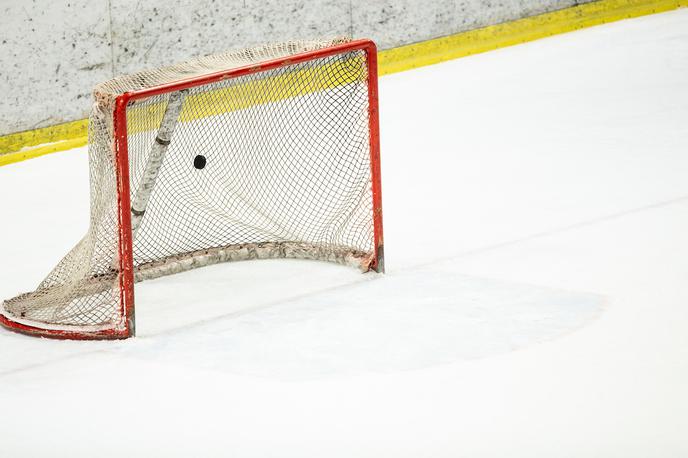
<point>52,52</point>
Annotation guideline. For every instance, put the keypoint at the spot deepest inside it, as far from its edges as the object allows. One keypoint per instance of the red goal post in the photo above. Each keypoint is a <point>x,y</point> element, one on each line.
<point>126,269</point>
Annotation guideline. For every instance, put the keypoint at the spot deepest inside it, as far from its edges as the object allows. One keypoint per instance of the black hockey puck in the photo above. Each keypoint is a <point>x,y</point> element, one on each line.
<point>199,162</point>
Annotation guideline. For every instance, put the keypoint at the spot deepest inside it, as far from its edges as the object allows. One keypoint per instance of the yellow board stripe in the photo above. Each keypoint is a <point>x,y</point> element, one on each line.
<point>18,147</point>
<point>519,31</point>
<point>23,155</point>
<point>14,142</point>
<point>241,96</point>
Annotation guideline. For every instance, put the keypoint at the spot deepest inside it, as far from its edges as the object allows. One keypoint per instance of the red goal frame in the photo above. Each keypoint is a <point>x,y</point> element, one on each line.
<point>125,246</point>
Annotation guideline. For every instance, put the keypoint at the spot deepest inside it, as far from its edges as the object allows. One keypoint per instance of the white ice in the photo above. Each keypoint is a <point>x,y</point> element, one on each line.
<point>535,305</point>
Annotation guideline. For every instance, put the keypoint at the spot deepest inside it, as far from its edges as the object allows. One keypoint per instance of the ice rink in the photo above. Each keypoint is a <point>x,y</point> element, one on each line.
<point>535,302</point>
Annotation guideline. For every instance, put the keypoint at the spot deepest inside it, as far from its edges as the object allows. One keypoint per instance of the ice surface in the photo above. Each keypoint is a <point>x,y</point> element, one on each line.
<point>400,321</point>
<point>536,212</point>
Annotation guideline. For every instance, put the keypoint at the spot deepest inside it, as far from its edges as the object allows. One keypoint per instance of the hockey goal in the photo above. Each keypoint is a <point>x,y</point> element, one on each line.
<point>269,152</point>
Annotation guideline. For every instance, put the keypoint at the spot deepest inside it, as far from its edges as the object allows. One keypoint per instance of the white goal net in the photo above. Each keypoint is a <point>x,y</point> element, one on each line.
<point>268,152</point>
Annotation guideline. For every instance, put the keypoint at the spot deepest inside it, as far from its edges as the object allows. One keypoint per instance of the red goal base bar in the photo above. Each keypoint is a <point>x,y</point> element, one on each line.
<point>126,268</point>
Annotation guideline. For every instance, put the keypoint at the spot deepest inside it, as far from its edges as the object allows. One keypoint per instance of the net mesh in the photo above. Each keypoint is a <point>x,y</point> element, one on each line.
<point>271,164</point>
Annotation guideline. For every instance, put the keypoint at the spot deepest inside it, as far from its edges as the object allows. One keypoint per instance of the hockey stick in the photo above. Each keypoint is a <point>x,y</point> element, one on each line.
<point>155,159</point>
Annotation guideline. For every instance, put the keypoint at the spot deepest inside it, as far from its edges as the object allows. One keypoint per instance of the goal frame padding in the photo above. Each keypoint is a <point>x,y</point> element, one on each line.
<point>126,327</point>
